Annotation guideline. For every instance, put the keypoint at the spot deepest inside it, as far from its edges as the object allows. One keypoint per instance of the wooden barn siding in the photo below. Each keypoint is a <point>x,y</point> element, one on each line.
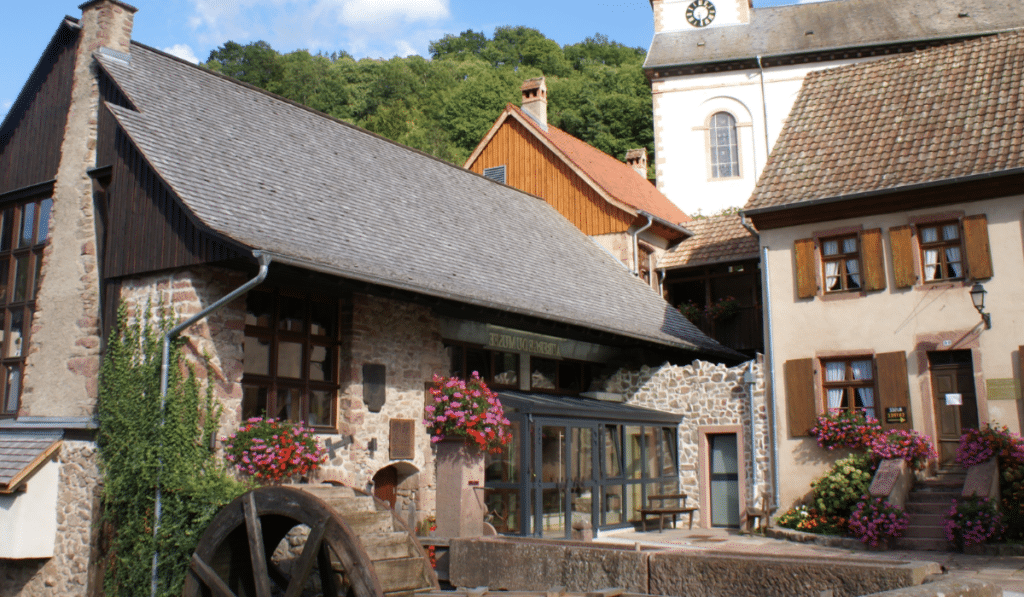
<point>532,167</point>
<point>30,146</point>
<point>148,227</point>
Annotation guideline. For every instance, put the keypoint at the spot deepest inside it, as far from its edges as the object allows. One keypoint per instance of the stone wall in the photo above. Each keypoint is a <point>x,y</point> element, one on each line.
<point>406,339</point>
<point>74,570</point>
<point>709,396</point>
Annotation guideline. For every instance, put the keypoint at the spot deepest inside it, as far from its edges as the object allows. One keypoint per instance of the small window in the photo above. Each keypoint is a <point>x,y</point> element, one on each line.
<point>725,159</point>
<point>840,260</point>
<point>941,251</point>
<point>374,386</point>
<point>497,174</point>
<point>850,385</point>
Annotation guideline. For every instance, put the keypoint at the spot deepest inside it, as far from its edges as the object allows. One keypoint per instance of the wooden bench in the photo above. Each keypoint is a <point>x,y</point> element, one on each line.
<point>661,510</point>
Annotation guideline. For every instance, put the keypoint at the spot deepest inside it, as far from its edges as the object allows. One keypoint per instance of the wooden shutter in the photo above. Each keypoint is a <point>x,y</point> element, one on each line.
<point>801,399</point>
<point>902,256</point>
<point>806,280</point>
<point>872,259</point>
<point>979,255</point>
<point>893,387</point>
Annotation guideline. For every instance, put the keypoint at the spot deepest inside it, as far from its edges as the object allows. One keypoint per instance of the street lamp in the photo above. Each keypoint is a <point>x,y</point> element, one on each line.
<point>978,298</point>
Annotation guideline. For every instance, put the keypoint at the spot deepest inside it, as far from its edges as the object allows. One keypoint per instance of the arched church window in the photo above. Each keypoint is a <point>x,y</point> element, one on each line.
<point>725,159</point>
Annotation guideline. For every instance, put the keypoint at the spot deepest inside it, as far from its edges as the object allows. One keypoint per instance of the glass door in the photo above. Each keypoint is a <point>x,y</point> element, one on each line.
<point>565,488</point>
<point>725,481</point>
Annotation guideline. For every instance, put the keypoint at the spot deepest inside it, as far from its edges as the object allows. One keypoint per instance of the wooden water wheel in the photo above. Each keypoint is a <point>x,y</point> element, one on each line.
<point>317,540</point>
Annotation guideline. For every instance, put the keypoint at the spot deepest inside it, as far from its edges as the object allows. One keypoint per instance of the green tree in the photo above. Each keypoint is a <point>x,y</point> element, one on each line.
<point>254,63</point>
<point>142,447</point>
<point>466,44</point>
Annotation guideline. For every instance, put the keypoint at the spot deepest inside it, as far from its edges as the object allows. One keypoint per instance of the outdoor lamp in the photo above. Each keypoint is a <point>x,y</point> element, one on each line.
<point>978,298</point>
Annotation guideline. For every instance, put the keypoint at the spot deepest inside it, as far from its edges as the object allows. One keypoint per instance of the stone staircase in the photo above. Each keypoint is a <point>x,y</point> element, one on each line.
<point>399,560</point>
<point>927,506</point>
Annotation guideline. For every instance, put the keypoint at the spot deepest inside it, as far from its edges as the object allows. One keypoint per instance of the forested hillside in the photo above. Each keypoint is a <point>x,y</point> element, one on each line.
<point>445,105</point>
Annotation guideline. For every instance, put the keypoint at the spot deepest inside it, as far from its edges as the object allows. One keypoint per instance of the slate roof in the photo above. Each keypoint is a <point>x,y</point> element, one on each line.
<point>716,239</point>
<point>332,197</point>
<point>22,453</point>
<point>618,179</point>
<point>782,30</point>
<point>940,114</point>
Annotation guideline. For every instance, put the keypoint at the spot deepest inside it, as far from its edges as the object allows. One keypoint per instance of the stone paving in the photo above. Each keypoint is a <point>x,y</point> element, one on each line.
<point>1004,571</point>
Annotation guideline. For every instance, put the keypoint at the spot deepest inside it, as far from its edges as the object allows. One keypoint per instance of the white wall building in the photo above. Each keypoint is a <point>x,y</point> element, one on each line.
<point>725,75</point>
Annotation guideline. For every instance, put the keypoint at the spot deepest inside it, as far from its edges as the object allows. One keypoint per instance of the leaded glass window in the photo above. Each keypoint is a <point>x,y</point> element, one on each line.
<point>725,157</point>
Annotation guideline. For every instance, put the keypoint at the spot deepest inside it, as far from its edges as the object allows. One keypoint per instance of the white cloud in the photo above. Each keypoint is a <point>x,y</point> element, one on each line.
<point>4,107</point>
<point>182,51</point>
<point>387,12</point>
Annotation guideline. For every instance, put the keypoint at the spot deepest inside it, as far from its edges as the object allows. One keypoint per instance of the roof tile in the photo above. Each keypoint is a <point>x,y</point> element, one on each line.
<point>716,239</point>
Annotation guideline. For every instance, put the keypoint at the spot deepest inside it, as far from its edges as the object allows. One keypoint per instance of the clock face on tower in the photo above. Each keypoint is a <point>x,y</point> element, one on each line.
<point>700,13</point>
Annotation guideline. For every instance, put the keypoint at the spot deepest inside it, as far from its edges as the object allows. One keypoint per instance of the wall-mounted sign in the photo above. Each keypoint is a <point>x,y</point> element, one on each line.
<point>1002,389</point>
<point>523,342</point>
<point>896,414</point>
<point>954,399</point>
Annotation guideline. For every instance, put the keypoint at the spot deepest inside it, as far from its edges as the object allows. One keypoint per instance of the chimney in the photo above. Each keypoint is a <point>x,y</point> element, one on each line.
<point>535,100</point>
<point>107,24</point>
<point>637,158</point>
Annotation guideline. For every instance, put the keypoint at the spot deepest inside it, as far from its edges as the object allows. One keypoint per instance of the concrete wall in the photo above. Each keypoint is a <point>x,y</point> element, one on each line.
<point>712,399</point>
<point>916,320</point>
<point>586,567</point>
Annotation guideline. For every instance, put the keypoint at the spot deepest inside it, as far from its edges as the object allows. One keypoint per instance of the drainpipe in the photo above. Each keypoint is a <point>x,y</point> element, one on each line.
<point>636,242</point>
<point>764,112</point>
<point>264,261</point>
<point>750,381</point>
<point>770,393</point>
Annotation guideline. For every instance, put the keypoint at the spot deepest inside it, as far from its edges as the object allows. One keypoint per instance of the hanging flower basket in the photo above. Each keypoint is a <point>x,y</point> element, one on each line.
<point>271,451</point>
<point>467,410</point>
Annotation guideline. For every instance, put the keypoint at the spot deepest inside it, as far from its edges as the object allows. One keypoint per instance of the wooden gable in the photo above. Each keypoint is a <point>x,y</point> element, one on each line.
<point>31,139</point>
<point>531,167</point>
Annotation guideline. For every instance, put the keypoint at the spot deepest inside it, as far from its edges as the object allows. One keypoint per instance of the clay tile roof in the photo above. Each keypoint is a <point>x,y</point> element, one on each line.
<point>716,239</point>
<point>616,178</point>
<point>21,454</point>
<point>939,114</point>
<point>532,83</point>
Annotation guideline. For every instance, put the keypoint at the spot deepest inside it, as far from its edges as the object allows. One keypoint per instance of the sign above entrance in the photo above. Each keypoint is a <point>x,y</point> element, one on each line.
<point>513,341</point>
<point>954,399</point>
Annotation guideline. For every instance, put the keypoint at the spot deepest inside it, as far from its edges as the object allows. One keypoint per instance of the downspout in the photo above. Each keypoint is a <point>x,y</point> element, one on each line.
<point>264,260</point>
<point>770,390</point>
<point>636,242</point>
<point>750,381</point>
<point>764,112</point>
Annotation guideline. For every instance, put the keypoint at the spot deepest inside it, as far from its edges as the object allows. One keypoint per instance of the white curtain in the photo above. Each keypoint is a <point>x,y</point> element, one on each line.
<point>866,400</point>
<point>835,398</point>
<point>931,264</point>
<point>953,260</point>
<point>832,275</point>
<point>853,273</point>
<point>950,232</point>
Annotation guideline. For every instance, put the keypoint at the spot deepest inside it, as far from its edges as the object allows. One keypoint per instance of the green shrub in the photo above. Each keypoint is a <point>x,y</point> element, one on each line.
<point>138,452</point>
<point>838,491</point>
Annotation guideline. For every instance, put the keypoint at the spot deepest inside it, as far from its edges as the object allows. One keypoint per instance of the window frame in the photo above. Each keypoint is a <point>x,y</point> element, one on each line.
<point>714,166</point>
<point>273,381</point>
<point>941,245</point>
<point>12,213</point>
<point>849,384</point>
<point>842,258</point>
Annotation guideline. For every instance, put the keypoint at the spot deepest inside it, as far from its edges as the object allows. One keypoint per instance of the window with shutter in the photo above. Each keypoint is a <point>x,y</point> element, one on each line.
<point>806,280</point>
<point>873,259</point>
<point>840,263</point>
<point>801,397</point>
<point>901,243</point>
<point>979,254</point>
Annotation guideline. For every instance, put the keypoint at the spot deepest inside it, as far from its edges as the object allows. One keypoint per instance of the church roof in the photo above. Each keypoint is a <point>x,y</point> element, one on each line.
<point>322,194</point>
<point>937,115</point>
<point>716,239</point>
<point>816,27</point>
<point>611,177</point>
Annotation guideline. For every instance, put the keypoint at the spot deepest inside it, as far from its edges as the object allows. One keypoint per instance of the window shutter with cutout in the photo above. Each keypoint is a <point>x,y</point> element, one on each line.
<point>902,256</point>
<point>801,399</point>
<point>979,255</point>
<point>873,259</point>
<point>806,280</point>
<point>893,388</point>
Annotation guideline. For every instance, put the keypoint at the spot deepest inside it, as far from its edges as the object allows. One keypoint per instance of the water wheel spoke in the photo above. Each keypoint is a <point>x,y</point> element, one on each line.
<point>210,578</point>
<point>308,558</point>
<point>257,553</point>
<point>328,579</point>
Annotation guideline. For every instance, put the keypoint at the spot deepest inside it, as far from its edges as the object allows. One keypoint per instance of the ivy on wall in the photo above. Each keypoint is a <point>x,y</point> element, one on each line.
<point>138,452</point>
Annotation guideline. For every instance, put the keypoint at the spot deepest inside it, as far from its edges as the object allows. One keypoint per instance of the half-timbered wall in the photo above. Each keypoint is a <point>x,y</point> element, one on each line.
<point>155,231</point>
<point>30,143</point>
<point>533,168</point>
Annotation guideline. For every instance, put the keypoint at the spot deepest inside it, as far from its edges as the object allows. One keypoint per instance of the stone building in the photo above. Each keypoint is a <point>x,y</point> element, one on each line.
<point>128,175</point>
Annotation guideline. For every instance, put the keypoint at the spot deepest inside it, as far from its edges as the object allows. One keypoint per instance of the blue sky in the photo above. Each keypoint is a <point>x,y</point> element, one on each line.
<point>365,28</point>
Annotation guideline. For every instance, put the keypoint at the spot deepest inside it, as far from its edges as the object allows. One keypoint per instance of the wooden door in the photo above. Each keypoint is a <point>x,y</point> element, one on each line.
<point>385,483</point>
<point>952,374</point>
